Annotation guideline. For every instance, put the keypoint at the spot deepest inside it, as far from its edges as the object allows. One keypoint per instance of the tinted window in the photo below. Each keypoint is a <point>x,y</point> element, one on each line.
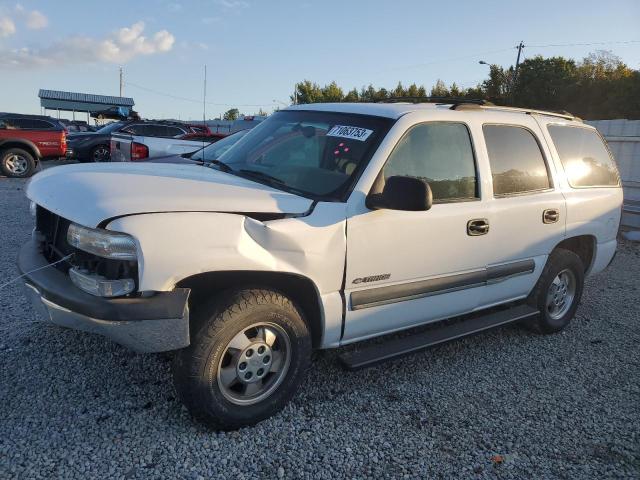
<point>441,154</point>
<point>32,124</point>
<point>173,132</point>
<point>517,164</point>
<point>584,156</point>
<point>135,129</point>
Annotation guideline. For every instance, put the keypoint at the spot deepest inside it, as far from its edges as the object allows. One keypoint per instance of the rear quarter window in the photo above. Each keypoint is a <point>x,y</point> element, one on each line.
<point>584,156</point>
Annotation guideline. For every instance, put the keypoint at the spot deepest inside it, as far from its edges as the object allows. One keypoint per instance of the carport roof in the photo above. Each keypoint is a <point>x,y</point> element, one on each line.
<point>85,98</point>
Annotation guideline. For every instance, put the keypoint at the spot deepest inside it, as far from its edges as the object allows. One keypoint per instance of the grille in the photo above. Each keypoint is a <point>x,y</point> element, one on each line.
<point>54,234</point>
<point>53,229</point>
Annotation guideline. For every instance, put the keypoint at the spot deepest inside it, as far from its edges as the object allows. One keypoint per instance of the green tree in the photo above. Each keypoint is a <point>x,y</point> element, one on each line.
<point>231,114</point>
<point>332,93</point>
<point>439,90</point>
<point>352,96</point>
<point>307,92</point>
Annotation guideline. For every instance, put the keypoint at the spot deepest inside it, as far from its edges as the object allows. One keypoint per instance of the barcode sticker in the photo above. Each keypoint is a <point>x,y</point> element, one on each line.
<point>344,131</point>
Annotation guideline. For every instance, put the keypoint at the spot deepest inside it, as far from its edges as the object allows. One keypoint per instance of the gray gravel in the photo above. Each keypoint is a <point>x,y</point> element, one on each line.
<point>506,404</point>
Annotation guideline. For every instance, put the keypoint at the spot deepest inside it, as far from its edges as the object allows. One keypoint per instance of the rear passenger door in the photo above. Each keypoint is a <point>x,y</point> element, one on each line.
<point>526,210</point>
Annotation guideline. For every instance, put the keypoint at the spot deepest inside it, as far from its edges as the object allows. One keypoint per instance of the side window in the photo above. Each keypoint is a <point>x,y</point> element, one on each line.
<point>517,164</point>
<point>134,129</point>
<point>441,154</point>
<point>41,125</point>
<point>174,132</point>
<point>584,156</point>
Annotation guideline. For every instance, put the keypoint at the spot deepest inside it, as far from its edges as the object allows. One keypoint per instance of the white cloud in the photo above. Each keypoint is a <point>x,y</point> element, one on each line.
<point>36,20</point>
<point>119,47</point>
<point>7,27</point>
<point>232,4</point>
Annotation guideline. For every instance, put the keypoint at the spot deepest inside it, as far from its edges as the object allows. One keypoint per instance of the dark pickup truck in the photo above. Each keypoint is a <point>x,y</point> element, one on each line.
<point>27,139</point>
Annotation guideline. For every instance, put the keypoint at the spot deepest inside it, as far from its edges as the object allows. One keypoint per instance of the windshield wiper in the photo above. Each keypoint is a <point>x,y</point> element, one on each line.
<point>221,165</point>
<point>262,175</point>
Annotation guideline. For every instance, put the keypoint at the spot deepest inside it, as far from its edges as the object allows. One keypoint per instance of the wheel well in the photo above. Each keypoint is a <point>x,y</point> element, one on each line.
<point>23,146</point>
<point>298,288</point>
<point>583,246</point>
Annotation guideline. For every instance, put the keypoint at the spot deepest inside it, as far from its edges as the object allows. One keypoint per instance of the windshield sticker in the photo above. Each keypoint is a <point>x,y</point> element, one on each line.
<point>355,133</point>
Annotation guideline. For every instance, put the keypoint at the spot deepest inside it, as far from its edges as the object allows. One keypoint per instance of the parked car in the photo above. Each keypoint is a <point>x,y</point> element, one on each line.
<point>327,225</point>
<point>27,139</point>
<point>77,126</point>
<point>205,155</point>
<point>134,147</point>
<point>96,146</point>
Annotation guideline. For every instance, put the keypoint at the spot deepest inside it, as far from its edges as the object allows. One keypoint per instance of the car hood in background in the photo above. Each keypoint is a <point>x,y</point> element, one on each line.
<point>91,193</point>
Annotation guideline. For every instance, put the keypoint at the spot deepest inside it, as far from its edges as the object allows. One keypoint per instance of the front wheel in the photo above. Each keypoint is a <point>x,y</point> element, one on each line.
<point>17,163</point>
<point>248,354</point>
<point>558,291</point>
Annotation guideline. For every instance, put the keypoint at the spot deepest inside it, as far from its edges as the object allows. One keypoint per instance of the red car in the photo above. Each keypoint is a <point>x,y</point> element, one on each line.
<point>26,139</point>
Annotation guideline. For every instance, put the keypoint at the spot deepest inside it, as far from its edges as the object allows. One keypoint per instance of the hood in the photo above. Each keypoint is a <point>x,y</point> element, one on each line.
<point>91,193</point>
<point>79,136</point>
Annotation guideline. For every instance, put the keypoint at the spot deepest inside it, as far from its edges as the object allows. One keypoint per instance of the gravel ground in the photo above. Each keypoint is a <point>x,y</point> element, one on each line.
<point>506,404</point>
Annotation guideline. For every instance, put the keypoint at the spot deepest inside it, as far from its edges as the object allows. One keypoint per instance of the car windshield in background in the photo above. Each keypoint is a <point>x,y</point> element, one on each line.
<point>213,151</point>
<point>110,127</point>
<point>316,154</point>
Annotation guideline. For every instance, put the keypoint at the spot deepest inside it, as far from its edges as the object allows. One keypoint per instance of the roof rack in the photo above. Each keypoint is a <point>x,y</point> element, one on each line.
<point>529,111</point>
<point>453,101</point>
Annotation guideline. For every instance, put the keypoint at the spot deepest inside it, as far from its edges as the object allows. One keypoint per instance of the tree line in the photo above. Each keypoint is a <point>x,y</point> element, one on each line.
<point>599,86</point>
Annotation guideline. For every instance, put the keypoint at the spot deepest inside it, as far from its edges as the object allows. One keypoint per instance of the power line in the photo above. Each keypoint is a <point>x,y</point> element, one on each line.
<point>583,44</point>
<point>193,100</point>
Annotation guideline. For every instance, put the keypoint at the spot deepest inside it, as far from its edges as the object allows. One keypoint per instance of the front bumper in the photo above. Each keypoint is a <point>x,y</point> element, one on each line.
<point>145,324</point>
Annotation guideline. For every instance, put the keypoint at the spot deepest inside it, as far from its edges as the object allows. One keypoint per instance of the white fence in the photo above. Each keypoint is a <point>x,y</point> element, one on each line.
<point>623,137</point>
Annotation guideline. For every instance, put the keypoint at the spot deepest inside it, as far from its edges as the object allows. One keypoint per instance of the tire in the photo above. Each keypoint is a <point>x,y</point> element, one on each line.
<point>17,163</point>
<point>267,329</point>
<point>558,291</point>
<point>100,153</point>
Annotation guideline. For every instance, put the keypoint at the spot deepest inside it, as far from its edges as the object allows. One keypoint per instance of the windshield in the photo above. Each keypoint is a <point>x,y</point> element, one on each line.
<point>213,151</point>
<point>110,127</point>
<point>317,154</point>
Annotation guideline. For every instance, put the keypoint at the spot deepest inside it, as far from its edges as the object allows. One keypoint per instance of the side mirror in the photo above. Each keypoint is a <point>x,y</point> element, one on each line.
<point>402,193</point>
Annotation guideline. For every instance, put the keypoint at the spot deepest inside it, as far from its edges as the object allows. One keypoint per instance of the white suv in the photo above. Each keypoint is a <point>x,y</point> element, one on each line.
<point>326,225</point>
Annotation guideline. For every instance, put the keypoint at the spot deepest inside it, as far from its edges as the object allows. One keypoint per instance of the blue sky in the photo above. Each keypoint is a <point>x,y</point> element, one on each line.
<point>255,51</point>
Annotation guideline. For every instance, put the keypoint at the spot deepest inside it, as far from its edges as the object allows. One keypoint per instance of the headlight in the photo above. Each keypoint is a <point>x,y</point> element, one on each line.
<point>103,243</point>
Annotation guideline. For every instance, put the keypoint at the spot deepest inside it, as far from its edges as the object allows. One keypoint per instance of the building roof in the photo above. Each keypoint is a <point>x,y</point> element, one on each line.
<point>85,98</point>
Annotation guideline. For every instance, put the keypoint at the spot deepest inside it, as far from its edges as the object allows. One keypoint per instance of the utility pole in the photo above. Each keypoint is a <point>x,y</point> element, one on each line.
<point>121,82</point>
<point>515,73</point>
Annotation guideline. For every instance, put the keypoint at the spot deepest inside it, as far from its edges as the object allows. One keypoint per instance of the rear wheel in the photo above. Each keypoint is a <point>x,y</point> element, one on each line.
<point>558,291</point>
<point>100,153</point>
<point>248,354</point>
<point>17,163</point>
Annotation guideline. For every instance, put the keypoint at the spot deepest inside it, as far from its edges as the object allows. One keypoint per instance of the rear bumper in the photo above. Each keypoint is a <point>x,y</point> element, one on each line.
<point>144,324</point>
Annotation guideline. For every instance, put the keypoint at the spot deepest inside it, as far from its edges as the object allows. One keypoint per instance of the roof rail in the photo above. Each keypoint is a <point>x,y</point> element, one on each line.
<point>453,101</point>
<point>529,111</point>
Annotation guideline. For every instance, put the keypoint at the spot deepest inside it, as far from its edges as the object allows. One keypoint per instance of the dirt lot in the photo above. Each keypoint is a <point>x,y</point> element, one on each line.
<point>505,404</point>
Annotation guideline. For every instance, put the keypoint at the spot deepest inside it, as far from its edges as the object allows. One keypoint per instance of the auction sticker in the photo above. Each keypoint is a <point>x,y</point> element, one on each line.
<point>344,131</point>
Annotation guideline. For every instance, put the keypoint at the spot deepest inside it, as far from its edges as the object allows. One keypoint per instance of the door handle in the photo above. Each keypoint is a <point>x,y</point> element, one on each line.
<point>477,226</point>
<point>550,215</point>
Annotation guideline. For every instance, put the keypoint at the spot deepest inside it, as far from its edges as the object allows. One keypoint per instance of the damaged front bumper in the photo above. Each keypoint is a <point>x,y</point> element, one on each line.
<point>155,323</point>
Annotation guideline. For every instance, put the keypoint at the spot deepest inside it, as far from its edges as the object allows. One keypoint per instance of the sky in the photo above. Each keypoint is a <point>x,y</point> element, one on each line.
<point>255,51</point>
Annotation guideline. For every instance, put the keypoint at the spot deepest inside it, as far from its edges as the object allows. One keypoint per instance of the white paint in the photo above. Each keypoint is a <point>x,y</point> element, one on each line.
<point>189,219</point>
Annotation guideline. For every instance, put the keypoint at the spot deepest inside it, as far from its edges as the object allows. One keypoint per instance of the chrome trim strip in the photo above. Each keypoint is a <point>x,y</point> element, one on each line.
<point>436,286</point>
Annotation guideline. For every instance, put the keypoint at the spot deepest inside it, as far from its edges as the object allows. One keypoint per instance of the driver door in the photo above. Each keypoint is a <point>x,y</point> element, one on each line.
<point>405,268</point>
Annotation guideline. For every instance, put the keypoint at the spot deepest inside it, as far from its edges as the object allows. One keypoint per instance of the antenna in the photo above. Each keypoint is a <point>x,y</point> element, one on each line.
<point>121,82</point>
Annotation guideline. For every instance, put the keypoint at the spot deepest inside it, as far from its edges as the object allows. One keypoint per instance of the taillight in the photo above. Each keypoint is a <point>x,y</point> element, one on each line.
<point>139,151</point>
<point>63,141</point>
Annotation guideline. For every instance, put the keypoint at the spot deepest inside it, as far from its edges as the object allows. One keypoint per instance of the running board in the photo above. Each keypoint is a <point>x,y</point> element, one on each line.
<point>373,354</point>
